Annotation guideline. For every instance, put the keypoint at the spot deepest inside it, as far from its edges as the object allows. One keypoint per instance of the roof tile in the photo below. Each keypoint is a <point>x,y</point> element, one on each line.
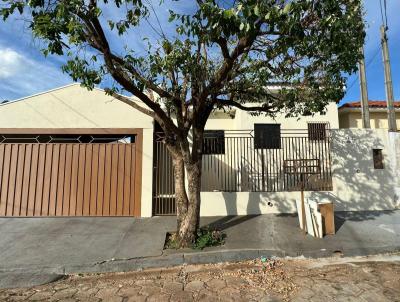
<point>371,104</point>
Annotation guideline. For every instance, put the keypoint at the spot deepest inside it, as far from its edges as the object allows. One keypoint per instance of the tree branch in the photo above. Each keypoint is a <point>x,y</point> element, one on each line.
<point>263,108</point>
<point>130,102</point>
<point>224,47</point>
<point>98,40</point>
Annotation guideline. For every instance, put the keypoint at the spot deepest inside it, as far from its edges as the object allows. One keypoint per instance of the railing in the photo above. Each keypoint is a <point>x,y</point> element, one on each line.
<point>232,162</point>
<point>300,159</point>
<point>242,167</point>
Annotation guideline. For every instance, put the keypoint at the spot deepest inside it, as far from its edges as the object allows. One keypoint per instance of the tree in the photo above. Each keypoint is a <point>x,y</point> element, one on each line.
<point>222,54</point>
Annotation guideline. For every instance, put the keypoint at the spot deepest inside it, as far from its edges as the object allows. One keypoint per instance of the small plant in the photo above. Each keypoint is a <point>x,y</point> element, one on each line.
<point>206,237</point>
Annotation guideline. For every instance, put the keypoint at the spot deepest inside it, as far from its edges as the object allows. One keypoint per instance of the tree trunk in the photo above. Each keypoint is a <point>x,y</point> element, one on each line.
<point>187,201</point>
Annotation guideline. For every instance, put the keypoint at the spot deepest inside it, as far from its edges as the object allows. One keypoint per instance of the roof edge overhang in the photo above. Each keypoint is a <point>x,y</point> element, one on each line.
<point>358,109</point>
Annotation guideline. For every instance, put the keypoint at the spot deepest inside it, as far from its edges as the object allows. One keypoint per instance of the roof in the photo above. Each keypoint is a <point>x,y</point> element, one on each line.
<point>37,94</point>
<point>71,106</point>
<point>40,93</point>
<point>371,104</point>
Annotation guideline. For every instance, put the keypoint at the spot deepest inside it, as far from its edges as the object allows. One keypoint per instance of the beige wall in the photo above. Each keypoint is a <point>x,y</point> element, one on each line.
<point>357,186</point>
<point>221,121</point>
<point>76,107</point>
<point>71,107</point>
<point>352,119</point>
<point>245,121</point>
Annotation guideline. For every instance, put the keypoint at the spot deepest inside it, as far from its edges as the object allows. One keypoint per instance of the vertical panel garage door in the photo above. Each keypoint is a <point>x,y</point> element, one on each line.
<point>69,179</point>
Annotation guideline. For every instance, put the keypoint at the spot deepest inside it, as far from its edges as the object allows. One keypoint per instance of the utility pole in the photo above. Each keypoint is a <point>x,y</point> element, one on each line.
<point>364,92</point>
<point>388,81</point>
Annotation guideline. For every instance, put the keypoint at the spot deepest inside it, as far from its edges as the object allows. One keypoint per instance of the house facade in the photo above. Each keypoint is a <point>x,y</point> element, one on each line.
<point>74,152</point>
<point>350,115</point>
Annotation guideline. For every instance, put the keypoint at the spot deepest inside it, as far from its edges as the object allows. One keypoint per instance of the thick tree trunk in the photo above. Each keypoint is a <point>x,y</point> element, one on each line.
<point>187,201</point>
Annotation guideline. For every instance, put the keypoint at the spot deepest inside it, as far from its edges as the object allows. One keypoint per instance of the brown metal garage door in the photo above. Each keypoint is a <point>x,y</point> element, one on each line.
<point>69,179</point>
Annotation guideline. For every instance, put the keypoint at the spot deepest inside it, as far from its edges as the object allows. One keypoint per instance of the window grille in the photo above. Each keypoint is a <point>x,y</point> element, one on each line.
<point>267,136</point>
<point>317,131</point>
<point>214,142</point>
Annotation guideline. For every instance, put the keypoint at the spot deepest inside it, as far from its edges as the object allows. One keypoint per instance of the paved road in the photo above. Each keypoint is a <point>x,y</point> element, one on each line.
<point>273,280</point>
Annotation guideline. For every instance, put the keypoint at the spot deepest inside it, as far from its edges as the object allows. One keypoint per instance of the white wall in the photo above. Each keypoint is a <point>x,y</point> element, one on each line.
<point>242,120</point>
<point>357,186</point>
<point>246,121</point>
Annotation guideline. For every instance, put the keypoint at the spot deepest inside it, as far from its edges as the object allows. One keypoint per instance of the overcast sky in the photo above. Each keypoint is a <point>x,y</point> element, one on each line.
<point>24,71</point>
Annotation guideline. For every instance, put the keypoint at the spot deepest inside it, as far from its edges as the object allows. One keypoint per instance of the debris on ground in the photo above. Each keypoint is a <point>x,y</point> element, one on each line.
<point>261,279</point>
<point>265,273</point>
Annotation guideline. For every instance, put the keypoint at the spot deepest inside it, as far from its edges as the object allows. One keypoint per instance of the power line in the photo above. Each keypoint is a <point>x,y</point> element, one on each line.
<point>2,99</point>
<point>383,8</point>
<point>366,65</point>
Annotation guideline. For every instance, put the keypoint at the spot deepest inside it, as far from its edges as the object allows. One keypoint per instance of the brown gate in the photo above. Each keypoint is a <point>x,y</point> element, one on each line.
<point>70,179</point>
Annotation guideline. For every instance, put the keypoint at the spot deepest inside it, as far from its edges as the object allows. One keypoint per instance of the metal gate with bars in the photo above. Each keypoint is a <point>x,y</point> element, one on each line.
<point>233,161</point>
<point>58,175</point>
<point>164,182</point>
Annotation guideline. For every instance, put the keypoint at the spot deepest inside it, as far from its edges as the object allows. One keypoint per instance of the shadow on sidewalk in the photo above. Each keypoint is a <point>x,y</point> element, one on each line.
<point>226,222</point>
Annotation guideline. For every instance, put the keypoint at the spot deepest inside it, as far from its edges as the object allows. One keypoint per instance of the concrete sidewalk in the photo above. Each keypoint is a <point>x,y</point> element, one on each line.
<point>357,234</point>
<point>58,242</point>
<point>39,250</point>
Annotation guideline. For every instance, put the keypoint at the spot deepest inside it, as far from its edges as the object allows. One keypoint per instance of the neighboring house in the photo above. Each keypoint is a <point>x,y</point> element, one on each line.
<point>74,152</point>
<point>350,115</point>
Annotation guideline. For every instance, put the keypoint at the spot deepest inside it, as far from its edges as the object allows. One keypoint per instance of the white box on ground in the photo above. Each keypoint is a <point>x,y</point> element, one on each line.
<point>313,217</point>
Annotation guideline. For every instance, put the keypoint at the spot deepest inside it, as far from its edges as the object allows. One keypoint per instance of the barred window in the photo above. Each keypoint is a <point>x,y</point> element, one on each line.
<point>377,158</point>
<point>267,136</point>
<point>317,131</point>
<point>214,142</point>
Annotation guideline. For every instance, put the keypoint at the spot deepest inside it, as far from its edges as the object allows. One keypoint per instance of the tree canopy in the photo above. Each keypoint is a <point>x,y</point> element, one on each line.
<point>223,53</point>
<point>220,54</point>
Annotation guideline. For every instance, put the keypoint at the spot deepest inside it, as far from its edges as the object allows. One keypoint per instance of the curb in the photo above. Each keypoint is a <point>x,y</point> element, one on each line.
<point>14,280</point>
<point>189,258</point>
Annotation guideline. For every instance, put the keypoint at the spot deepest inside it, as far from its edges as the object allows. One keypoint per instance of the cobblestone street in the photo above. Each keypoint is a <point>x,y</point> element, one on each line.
<point>270,280</point>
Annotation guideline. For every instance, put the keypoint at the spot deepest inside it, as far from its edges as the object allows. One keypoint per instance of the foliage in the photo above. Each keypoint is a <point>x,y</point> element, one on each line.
<point>304,46</point>
<point>206,237</point>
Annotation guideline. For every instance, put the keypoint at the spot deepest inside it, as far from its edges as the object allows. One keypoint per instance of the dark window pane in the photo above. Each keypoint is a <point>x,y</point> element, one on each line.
<point>317,131</point>
<point>267,136</point>
<point>378,158</point>
<point>214,142</point>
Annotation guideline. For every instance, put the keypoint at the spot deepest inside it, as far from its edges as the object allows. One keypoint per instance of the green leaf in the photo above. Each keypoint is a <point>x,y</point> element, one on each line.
<point>228,13</point>
<point>287,8</point>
